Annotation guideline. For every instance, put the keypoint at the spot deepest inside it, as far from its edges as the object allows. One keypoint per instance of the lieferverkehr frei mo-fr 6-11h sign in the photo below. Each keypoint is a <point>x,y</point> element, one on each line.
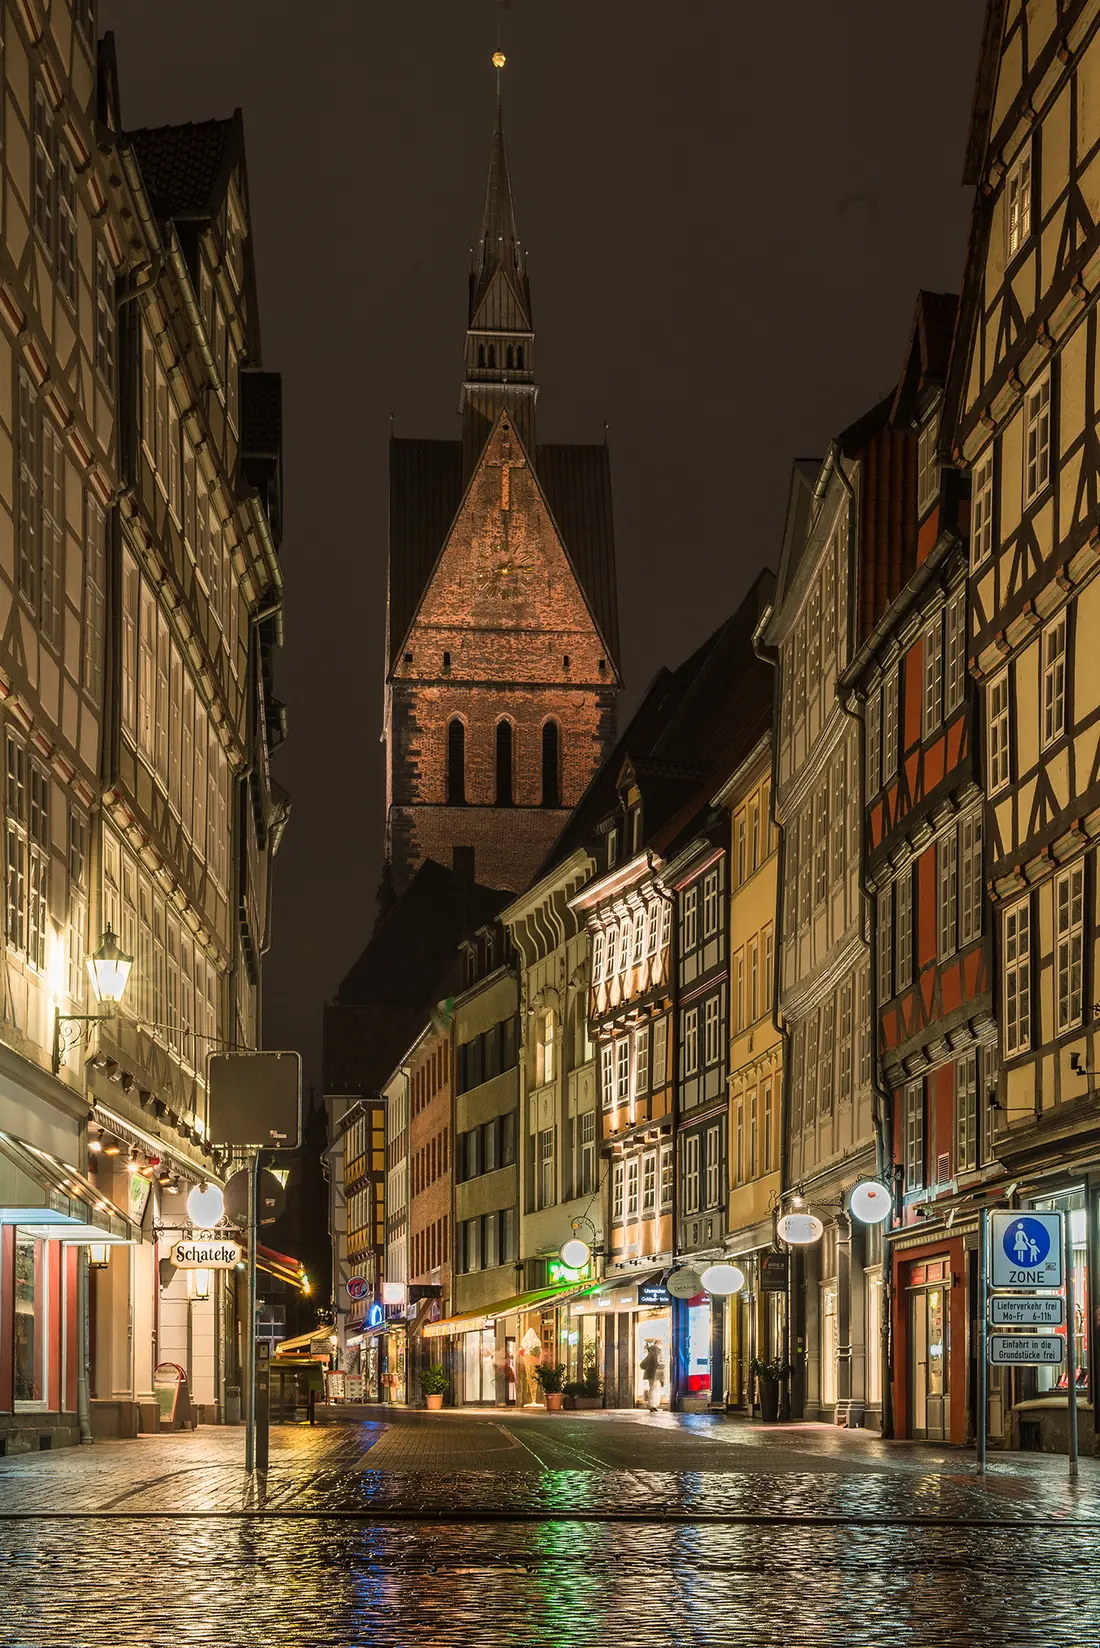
<point>1026,1250</point>
<point>1027,1310</point>
<point>1026,1349</point>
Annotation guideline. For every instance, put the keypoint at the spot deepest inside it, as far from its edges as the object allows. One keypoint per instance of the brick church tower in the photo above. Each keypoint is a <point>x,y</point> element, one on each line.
<point>501,628</point>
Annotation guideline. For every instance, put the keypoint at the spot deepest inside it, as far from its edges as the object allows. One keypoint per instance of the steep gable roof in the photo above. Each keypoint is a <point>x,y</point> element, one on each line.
<point>187,168</point>
<point>426,494</point>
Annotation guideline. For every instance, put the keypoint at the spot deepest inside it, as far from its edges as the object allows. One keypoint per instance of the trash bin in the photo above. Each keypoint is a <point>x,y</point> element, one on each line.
<point>232,1404</point>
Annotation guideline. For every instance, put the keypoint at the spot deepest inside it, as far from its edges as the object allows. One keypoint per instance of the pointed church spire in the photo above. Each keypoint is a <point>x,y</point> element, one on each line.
<point>499,334</point>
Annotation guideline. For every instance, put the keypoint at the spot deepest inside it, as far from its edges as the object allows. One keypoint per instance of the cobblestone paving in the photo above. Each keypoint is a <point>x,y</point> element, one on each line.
<point>568,1531</point>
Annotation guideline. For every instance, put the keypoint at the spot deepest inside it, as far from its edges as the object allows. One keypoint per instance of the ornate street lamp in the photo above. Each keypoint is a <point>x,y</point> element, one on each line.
<point>108,969</point>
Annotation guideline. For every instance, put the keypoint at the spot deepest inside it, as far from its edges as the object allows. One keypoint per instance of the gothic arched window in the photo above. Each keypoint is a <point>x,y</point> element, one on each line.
<point>456,764</point>
<point>504,764</point>
<point>551,765</point>
<point>519,356</point>
<point>511,357</point>
<point>481,355</point>
<point>492,356</point>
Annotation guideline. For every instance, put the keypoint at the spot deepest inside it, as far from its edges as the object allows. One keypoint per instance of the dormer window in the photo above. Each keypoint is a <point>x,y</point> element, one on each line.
<point>927,469</point>
<point>612,846</point>
<point>636,829</point>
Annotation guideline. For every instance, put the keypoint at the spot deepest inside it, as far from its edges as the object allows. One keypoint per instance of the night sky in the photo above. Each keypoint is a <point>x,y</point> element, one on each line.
<point>729,210</point>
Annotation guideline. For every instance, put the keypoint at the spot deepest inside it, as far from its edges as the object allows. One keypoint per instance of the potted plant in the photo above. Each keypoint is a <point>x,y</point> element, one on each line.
<point>768,1378</point>
<point>433,1382</point>
<point>550,1376</point>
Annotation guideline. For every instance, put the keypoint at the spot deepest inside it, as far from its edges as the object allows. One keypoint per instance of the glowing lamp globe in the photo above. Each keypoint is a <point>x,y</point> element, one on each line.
<point>870,1202</point>
<point>575,1254</point>
<point>723,1279</point>
<point>108,970</point>
<point>205,1206</point>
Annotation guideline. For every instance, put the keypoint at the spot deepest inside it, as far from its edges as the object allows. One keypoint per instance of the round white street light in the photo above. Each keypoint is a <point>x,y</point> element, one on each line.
<point>723,1279</point>
<point>870,1202</point>
<point>800,1229</point>
<point>205,1206</point>
<point>574,1253</point>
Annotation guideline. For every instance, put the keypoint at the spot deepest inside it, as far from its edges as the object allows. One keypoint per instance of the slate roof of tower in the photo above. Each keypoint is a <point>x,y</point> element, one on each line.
<point>186,168</point>
<point>425,494</point>
<point>498,244</point>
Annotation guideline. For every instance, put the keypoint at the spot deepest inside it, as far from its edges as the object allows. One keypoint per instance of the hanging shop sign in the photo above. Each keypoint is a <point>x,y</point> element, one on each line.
<point>800,1229</point>
<point>774,1270</point>
<point>575,1254</point>
<point>1026,1349</point>
<point>206,1253</point>
<point>1021,1310</point>
<point>1026,1250</point>
<point>357,1287</point>
<point>870,1202</point>
<point>685,1283</point>
<point>723,1280</point>
<point>653,1293</point>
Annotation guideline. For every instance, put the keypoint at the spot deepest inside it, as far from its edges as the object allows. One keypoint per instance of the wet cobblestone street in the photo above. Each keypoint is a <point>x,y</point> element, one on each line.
<point>498,1528</point>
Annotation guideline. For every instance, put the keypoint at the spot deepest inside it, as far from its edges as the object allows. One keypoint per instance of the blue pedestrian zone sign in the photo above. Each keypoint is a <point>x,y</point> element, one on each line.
<point>1027,1250</point>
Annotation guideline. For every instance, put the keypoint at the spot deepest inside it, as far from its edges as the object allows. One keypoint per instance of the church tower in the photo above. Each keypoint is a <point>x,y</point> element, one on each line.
<point>502,665</point>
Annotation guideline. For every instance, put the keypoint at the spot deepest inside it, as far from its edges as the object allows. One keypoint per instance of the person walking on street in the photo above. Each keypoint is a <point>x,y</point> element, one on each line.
<point>652,1368</point>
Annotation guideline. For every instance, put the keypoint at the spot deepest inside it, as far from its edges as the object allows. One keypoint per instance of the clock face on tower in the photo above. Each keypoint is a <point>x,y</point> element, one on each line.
<point>506,579</point>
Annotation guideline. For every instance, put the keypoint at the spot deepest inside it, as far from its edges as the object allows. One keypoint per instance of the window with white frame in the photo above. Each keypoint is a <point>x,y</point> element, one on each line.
<point>666,1175</point>
<point>865,1026</point>
<point>607,1075</point>
<point>68,264</point>
<point>821,842</point>
<point>1036,438</point>
<point>95,584</point>
<point>914,1136</point>
<point>690,1053</point>
<point>714,1167</point>
<point>77,865</point>
<point>828,1057</point>
<point>981,510</point>
<point>1018,202</point>
<point>874,740</point>
<point>844,1051</point>
<point>1069,946</point>
<point>105,317</point>
<point>546,1167</point>
<point>626,942</point>
<point>927,469</point>
<point>970,858</point>
<point>798,1075</point>
<point>885,942</point>
<point>44,164</point>
<point>588,1152</point>
<point>767,1123</point>
<point>966,1112</point>
<point>1016,953</point>
<point>15,822</point>
<point>742,850</point>
<point>666,923</point>
<point>769,967</point>
<point>612,948</point>
<point>641,1060</point>
<point>689,902</point>
<point>998,732</point>
<point>653,927</point>
<point>753,986</point>
<point>947,909</point>
<point>622,1071</point>
<point>754,836</point>
<point>51,538</point>
<point>891,731</point>
<point>712,1040</point>
<point>691,1173</point>
<point>838,818</point>
<point>597,958</point>
<point>932,703</point>
<point>639,939</point>
<point>738,992</point>
<point>632,1188</point>
<point>813,1031</point>
<point>954,688</point>
<point>659,1060</point>
<point>710,903</point>
<point>618,1188</point>
<point>904,898</point>
<point>649,1183</point>
<point>38,865</point>
<point>1054,680</point>
<point>805,865</point>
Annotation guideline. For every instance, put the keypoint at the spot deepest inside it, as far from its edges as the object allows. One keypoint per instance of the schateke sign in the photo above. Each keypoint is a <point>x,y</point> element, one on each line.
<point>210,1253</point>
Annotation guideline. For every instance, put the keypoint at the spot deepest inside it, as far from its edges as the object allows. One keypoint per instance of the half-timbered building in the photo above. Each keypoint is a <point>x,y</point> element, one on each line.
<point>930,984</point>
<point>832,1132</point>
<point>1021,419</point>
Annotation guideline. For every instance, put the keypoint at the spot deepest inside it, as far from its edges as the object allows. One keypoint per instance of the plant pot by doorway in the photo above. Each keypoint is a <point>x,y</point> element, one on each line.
<point>769,1400</point>
<point>553,1401</point>
<point>434,1399</point>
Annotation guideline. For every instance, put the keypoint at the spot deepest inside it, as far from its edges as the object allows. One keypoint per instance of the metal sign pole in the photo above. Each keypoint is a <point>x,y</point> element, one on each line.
<point>250,1321</point>
<point>1071,1345</point>
<point>983,1344</point>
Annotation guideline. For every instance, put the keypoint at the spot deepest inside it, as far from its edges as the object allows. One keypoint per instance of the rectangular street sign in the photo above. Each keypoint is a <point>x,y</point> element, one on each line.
<point>1021,1311</point>
<point>1024,1349</point>
<point>1026,1250</point>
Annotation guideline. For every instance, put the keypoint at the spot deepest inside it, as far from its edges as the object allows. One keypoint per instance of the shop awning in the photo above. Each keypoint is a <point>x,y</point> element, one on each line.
<point>469,1321</point>
<point>282,1266</point>
<point>55,1201</point>
<point>317,1343</point>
